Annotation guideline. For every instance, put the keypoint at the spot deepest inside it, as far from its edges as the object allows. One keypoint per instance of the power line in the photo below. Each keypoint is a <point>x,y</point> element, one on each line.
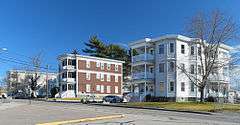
<point>22,63</point>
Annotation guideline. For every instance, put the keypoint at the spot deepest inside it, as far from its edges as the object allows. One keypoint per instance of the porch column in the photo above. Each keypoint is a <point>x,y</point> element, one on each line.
<point>145,68</point>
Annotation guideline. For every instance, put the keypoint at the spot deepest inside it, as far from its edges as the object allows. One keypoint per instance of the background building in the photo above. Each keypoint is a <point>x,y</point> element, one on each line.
<point>81,75</point>
<point>155,69</point>
<point>17,82</point>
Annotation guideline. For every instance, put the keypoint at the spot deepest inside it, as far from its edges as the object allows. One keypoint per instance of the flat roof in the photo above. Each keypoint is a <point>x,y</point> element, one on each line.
<point>90,57</point>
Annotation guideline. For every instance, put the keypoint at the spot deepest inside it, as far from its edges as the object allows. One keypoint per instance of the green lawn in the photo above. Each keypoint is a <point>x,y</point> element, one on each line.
<point>190,106</point>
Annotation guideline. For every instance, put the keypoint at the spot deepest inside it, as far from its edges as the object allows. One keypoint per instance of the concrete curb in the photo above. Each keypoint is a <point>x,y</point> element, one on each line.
<point>82,120</point>
<point>154,108</point>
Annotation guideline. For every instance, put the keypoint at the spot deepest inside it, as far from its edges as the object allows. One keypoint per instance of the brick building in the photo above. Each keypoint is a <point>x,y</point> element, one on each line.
<point>81,75</point>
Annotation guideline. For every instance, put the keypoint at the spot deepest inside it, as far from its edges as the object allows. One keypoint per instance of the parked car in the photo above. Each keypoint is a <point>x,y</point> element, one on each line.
<point>112,99</point>
<point>20,96</point>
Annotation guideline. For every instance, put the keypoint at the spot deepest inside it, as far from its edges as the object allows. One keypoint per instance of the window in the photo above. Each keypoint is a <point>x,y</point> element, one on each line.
<point>171,47</point>
<point>161,67</point>
<point>64,87</point>
<point>74,62</point>
<point>69,75</point>
<point>225,71</point>
<point>151,69</point>
<point>102,66</point>
<point>71,86</point>
<point>88,76</point>
<point>171,67</point>
<point>102,77</point>
<point>192,87</point>
<point>199,69</point>
<point>116,67</point>
<point>98,88</point>
<point>199,51</point>
<point>171,87</point>
<point>97,64</point>
<point>116,78</point>
<point>108,78</point>
<point>108,89</point>
<point>88,64</point>
<point>102,88</point>
<point>161,87</point>
<point>69,62</point>
<point>98,76</point>
<point>182,67</point>
<point>116,89</point>
<point>192,50</point>
<point>151,51</point>
<point>183,49</point>
<point>161,49</point>
<point>64,63</point>
<point>108,66</point>
<point>64,75</point>
<point>182,86</point>
<point>88,88</point>
<point>192,69</point>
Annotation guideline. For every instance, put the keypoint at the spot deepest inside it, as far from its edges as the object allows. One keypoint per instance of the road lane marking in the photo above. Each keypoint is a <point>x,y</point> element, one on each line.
<point>82,120</point>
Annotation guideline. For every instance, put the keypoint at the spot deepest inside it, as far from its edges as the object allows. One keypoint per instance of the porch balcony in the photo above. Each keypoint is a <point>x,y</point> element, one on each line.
<point>141,57</point>
<point>141,75</point>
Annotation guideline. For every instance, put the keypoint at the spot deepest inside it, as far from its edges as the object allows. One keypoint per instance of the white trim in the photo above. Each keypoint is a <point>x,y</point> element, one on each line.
<point>88,76</point>
<point>102,89</point>
<point>116,89</point>
<point>88,88</point>
<point>108,78</point>
<point>116,78</point>
<point>98,88</point>
<point>108,89</point>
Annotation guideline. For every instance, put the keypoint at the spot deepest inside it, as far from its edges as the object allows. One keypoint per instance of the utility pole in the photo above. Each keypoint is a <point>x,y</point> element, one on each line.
<point>47,82</point>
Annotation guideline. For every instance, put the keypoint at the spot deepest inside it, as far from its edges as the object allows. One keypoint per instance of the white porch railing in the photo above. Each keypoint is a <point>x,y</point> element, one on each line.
<point>218,78</point>
<point>69,80</point>
<point>69,67</point>
<point>141,75</point>
<point>141,57</point>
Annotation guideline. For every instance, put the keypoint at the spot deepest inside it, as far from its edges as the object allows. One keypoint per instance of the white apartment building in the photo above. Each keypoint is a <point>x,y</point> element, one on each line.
<point>155,72</point>
<point>17,81</point>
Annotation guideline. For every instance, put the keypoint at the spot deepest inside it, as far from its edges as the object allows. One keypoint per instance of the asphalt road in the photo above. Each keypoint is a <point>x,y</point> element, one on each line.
<point>20,112</point>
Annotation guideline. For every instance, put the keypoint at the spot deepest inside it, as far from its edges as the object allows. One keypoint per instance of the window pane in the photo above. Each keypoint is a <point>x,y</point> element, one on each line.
<point>192,69</point>
<point>182,49</point>
<point>171,86</point>
<point>171,66</point>
<point>171,47</point>
<point>161,49</point>
<point>161,67</point>
<point>192,50</point>
<point>192,87</point>
<point>182,86</point>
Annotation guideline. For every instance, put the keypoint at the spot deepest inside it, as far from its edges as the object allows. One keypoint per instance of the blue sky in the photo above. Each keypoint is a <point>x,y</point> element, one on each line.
<point>53,27</point>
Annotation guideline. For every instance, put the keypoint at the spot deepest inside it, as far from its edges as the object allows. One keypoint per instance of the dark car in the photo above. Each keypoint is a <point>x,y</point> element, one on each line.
<point>112,99</point>
<point>20,96</point>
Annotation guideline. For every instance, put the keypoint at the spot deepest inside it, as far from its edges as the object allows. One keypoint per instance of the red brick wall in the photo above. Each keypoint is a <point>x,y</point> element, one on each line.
<point>93,67</point>
<point>82,81</point>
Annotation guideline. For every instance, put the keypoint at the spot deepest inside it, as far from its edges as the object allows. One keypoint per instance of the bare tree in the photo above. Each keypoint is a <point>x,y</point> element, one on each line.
<point>212,32</point>
<point>36,62</point>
